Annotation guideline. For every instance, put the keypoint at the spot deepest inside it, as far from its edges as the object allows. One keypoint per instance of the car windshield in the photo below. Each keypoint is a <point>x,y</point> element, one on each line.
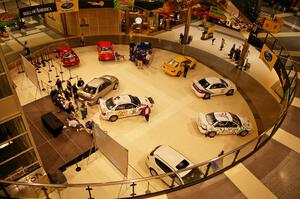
<point>90,89</point>
<point>135,100</point>
<point>105,49</point>
<point>223,82</point>
<point>203,83</point>
<point>183,164</point>
<point>236,119</point>
<point>193,175</point>
<point>210,118</point>
<point>69,55</point>
<point>173,63</point>
<point>110,103</point>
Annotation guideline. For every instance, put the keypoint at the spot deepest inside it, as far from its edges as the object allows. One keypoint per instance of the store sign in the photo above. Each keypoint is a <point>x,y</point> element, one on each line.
<point>64,6</point>
<point>39,9</point>
<point>268,56</point>
<point>124,4</point>
<point>96,4</point>
<point>8,18</point>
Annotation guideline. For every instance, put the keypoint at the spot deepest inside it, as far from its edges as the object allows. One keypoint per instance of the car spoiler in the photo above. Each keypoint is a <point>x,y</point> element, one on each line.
<point>151,100</point>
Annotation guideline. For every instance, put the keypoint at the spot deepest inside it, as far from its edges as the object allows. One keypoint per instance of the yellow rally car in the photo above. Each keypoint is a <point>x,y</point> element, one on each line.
<point>175,66</point>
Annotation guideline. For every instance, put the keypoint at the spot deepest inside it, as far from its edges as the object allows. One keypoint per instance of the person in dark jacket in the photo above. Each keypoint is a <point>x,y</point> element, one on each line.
<point>186,69</point>
<point>80,83</point>
<point>59,84</point>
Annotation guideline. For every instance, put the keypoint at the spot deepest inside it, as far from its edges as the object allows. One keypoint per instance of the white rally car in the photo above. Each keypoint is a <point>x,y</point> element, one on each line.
<point>215,123</point>
<point>213,86</point>
<point>123,106</point>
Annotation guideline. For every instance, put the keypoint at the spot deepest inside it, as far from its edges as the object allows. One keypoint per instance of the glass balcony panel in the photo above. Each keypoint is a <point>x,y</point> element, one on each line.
<point>14,169</point>
<point>228,159</point>
<point>246,150</point>
<point>11,128</point>
<point>4,88</point>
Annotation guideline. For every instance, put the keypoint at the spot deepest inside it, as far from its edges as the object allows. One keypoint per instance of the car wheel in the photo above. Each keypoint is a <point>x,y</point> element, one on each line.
<point>116,86</point>
<point>230,92</point>
<point>211,134</point>
<point>243,133</point>
<point>178,74</point>
<point>153,172</point>
<point>206,96</point>
<point>113,118</point>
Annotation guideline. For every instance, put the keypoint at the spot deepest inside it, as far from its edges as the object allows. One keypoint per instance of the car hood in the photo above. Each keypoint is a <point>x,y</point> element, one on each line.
<point>202,120</point>
<point>246,123</point>
<point>102,106</point>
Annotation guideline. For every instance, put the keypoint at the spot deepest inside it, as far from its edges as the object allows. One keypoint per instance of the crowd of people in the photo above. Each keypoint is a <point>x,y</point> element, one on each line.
<point>140,54</point>
<point>67,100</point>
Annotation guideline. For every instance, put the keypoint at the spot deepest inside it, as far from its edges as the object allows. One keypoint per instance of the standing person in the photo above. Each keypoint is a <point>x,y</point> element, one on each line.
<point>76,99</point>
<point>148,56</point>
<point>131,50</point>
<point>26,49</point>
<point>232,50</point>
<point>237,54</point>
<point>74,89</point>
<point>82,39</point>
<point>80,83</point>
<point>69,86</point>
<point>59,84</point>
<point>186,69</point>
<point>146,113</point>
<point>222,44</point>
<point>83,110</point>
<point>67,94</point>
<point>213,41</point>
<point>181,36</point>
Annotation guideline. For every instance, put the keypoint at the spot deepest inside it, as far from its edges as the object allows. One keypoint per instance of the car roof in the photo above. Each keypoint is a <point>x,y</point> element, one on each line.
<point>65,49</point>
<point>223,116</point>
<point>179,58</point>
<point>213,80</point>
<point>96,82</point>
<point>122,99</point>
<point>104,43</point>
<point>172,157</point>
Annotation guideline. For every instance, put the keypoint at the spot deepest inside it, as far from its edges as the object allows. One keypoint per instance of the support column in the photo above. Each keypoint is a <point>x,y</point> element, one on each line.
<point>187,25</point>
<point>126,21</point>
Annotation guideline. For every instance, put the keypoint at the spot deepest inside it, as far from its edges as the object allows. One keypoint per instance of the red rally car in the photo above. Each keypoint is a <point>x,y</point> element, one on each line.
<point>68,57</point>
<point>105,51</point>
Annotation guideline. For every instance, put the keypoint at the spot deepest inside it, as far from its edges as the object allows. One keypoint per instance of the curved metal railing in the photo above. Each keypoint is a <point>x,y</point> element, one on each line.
<point>150,186</point>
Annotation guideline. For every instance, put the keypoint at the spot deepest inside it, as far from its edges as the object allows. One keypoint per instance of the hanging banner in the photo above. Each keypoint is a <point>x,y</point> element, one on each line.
<point>124,4</point>
<point>96,4</point>
<point>39,9</point>
<point>64,6</point>
<point>268,56</point>
<point>8,18</point>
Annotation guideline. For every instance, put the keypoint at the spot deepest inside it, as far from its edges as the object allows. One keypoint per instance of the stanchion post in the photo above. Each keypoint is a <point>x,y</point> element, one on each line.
<point>49,67</point>
<point>62,77</point>
<point>42,85</point>
<point>56,72</point>
<point>49,80</point>
<point>61,68</point>
<point>45,192</point>
<point>90,193</point>
<point>70,74</point>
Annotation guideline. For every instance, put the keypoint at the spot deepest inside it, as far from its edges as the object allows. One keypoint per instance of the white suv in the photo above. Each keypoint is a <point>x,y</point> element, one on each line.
<point>165,159</point>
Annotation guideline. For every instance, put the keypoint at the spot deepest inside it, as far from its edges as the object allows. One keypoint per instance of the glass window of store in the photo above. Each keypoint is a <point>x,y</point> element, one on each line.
<point>16,152</point>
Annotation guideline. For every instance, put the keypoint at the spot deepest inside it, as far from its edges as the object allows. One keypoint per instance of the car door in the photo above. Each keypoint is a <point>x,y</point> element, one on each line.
<point>220,127</point>
<point>163,168</point>
<point>131,109</point>
<point>232,128</point>
<point>120,111</point>
<point>106,87</point>
<point>217,89</point>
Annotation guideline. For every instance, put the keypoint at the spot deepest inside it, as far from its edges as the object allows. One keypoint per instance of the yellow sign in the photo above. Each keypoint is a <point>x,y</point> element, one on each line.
<point>268,56</point>
<point>64,6</point>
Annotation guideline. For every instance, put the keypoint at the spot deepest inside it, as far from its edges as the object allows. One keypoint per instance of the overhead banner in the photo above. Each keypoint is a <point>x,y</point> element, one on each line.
<point>124,4</point>
<point>39,9</point>
<point>96,4</point>
<point>64,6</point>
<point>268,56</point>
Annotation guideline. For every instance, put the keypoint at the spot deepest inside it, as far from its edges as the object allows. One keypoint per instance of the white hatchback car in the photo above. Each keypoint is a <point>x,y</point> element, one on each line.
<point>213,86</point>
<point>165,159</point>
<point>215,123</point>
<point>123,106</point>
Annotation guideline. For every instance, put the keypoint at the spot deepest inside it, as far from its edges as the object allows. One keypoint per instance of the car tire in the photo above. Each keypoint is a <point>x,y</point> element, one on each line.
<point>230,92</point>
<point>206,96</point>
<point>211,134</point>
<point>113,118</point>
<point>243,133</point>
<point>116,86</point>
<point>178,74</point>
<point>153,172</point>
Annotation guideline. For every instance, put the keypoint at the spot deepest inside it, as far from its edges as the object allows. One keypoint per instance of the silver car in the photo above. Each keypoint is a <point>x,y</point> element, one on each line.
<point>97,88</point>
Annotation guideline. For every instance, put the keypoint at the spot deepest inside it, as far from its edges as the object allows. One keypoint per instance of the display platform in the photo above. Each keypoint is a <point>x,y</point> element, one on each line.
<point>55,152</point>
